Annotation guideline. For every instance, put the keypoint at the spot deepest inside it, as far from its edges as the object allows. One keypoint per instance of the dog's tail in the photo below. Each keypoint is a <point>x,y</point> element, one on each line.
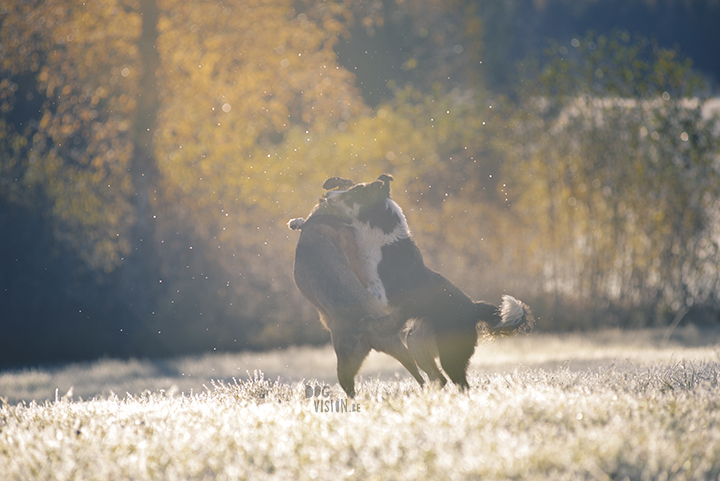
<point>514,317</point>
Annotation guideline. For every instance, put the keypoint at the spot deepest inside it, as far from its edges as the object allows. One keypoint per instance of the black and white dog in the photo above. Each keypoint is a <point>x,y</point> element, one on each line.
<point>328,273</point>
<point>444,320</point>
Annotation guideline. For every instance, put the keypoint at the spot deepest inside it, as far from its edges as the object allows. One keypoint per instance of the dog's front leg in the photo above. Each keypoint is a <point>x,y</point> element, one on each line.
<point>351,350</point>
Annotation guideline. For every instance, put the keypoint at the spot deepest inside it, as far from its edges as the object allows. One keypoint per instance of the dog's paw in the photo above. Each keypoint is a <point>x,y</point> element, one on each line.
<point>296,223</point>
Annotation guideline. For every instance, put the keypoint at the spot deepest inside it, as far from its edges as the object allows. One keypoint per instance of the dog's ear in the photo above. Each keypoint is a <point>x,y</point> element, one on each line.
<point>384,181</point>
<point>385,177</point>
<point>337,182</point>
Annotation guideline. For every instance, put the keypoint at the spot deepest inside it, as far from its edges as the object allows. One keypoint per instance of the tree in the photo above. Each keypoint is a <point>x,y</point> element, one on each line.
<point>615,178</point>
<point>71,144</point>
<point>145,129</point>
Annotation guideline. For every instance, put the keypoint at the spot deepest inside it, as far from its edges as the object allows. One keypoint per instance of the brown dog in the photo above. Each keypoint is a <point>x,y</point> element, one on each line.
<point>328,273</point>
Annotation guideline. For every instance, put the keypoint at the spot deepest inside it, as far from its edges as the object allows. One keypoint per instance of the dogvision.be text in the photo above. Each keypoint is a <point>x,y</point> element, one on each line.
<point>323,403</point>
<point>336,406</point>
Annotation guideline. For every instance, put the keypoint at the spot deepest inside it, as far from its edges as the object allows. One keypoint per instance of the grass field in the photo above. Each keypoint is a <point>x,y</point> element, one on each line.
<point>609,405</point>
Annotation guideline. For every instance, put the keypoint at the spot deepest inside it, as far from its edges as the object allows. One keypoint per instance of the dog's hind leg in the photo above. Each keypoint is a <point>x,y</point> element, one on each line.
<point>421,345</point>
<point>384,326</point>
<point>394,346</point>
<point>351,350</point>
<point>455,352</point>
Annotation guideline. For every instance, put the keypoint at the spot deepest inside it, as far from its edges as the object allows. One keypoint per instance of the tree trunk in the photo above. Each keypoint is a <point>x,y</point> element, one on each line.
<point>141,274</point>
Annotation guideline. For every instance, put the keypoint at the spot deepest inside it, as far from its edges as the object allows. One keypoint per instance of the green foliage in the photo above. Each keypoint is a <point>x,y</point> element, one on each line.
<point>618,65</point>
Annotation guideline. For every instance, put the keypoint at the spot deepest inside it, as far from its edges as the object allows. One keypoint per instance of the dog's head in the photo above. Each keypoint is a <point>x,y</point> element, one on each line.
<point>347,200</point>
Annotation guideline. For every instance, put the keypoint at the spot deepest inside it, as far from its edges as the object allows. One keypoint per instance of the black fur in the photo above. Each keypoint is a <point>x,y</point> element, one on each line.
<point>378,215</point>
<point>402,271</point>
<point>324,275</point>
<point>423,294</point>
<point>446,318</point>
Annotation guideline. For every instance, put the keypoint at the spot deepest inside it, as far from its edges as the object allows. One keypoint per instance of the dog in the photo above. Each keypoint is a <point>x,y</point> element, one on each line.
<point>327,272</point>
<point>444,321</point>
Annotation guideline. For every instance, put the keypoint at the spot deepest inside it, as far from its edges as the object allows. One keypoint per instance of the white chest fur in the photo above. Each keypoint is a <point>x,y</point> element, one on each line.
<point>370,241</point>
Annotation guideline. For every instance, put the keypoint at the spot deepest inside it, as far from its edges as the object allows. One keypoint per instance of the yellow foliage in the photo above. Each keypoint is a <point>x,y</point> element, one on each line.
<point>240,82</point>
<point>79,153</point>
<point>255,112</point>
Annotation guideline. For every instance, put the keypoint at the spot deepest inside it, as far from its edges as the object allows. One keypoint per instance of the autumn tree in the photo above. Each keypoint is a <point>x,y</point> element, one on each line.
<point>68,95</point>
<point>166,143</point>
<point>148,129</point>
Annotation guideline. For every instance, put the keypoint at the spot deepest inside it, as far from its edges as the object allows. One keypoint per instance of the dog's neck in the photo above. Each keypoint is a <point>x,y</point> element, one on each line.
<point>382,224</point>
<point>375,228</point>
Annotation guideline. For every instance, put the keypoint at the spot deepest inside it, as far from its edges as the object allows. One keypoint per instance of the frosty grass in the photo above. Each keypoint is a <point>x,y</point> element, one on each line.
<point>617,420</point>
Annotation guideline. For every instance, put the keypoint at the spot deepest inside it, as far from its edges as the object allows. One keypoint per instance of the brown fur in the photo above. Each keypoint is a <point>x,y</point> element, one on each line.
<point>328,273</point>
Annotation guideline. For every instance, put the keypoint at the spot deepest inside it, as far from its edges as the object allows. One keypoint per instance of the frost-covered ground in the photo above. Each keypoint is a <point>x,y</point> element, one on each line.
<point>610,405</point>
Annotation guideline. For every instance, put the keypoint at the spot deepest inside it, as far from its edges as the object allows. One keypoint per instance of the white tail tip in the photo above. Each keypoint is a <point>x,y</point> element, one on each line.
<point>512,312</point>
